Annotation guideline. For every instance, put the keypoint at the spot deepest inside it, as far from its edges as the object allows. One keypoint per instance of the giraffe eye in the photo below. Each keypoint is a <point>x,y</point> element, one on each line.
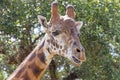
<point>55,33</point>
<point>78,34</point>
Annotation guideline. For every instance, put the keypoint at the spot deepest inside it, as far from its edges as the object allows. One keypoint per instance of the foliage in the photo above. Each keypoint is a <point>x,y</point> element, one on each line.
<point>100,35</point>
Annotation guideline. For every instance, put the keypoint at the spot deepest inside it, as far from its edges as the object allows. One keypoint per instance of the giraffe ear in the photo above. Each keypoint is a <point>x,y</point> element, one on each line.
<point>70,11</point>
<point>43,22</point>
<point>79,25</point>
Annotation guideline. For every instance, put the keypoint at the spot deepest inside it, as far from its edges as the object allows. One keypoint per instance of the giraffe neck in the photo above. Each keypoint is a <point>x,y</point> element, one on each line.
<point>34,65</point>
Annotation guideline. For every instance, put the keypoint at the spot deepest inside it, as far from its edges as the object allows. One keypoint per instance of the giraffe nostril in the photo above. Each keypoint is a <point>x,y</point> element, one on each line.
<point>78,50</point>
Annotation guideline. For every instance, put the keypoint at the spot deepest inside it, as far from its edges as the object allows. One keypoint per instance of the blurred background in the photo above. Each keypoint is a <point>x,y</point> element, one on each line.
<point>100,35</point>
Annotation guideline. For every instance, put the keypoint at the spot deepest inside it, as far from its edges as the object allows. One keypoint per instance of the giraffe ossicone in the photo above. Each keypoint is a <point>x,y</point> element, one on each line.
<point>61,38</point>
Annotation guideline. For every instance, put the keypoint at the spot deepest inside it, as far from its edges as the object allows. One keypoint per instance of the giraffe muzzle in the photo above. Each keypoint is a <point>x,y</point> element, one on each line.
<point>80,54</point>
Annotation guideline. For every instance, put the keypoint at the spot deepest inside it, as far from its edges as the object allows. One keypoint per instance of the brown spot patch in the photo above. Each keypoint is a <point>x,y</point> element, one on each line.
<point>59,51</point>
<point>53,43</point>
<point>60,47</point>
<point>54,48</point>
<point>41,45</point>
<point>32,56</point>
<point>57,45</point>
<point>35,69</point>
<point>48,41</point>
<point>25,76</point>
<point>41,57</point>
<point>48,50</point>
<point>20,72</point>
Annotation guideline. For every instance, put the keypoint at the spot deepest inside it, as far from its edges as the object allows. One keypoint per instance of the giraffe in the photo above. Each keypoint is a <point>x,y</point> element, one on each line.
<point>61,38</point>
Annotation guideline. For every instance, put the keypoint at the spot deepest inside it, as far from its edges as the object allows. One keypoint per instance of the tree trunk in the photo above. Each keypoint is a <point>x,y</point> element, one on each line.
<point>71,76</point>
<point>52,70</point>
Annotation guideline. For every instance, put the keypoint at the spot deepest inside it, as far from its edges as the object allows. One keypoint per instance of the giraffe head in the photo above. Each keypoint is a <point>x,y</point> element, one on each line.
<point>63,34</point>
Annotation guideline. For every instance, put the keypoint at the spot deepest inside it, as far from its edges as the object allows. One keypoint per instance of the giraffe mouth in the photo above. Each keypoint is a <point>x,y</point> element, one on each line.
<point>76,60</point>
